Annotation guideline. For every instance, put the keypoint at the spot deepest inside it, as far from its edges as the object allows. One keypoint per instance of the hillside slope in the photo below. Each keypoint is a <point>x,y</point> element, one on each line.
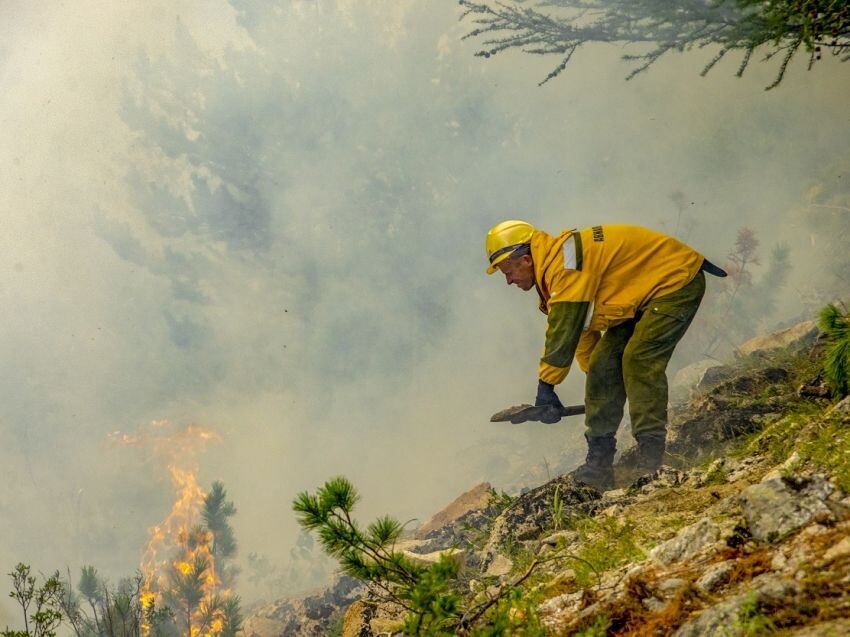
<point>744,531</point>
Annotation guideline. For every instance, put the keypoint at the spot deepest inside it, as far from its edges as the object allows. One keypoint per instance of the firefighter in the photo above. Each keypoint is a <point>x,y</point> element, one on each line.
<point>617,299</point>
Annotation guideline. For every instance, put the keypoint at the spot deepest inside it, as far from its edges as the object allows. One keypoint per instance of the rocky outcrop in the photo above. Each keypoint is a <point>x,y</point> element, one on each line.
<point>306,615</point>
<point>755,541</point>
<point>796,337</point>
<point>738,406</point>
<point>476,499</point>
<point>783,504</point>
<point>531,514</point>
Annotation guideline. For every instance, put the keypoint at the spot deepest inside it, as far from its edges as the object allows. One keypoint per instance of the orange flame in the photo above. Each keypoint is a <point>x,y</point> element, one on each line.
<point>178,545</point>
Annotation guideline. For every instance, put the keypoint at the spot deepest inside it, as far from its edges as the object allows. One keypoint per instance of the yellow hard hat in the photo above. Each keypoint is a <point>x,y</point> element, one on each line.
<point>504,238</point>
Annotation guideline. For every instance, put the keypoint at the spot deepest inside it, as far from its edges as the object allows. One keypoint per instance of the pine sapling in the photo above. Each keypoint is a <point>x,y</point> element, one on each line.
<point>836,325</point>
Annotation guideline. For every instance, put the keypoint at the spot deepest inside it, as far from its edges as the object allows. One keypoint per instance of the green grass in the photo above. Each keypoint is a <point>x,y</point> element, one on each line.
<point>827,447</point>
<point>606,543</point>
<point>599,628</point>
<point>752,622</point>
<point>717,475</point>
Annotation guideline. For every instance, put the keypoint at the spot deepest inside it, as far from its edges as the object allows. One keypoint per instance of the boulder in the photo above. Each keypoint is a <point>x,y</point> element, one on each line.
<point>308,614</point>
<point>715,576</point>
<point>842,408</point>
<point>429,559</point>
<point>531,514</point>
<point>356,620</point>
<point>724,619</point>
<point>797,337</point>
<point>690,376</point>
<point>780,505</point>
<point>500,565</point>
<point>478,497</point>
<point>688,542</point>
<point>714,375</point>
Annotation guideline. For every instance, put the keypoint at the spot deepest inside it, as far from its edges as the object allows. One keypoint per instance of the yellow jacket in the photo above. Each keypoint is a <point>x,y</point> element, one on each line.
<point>595,278</point>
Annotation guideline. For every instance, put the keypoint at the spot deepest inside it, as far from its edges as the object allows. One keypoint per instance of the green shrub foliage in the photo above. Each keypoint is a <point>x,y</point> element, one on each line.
<point>836,325</point>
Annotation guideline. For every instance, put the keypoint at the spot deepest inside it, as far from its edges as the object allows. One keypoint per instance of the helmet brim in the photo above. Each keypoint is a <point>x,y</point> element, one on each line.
<point>494,266</point>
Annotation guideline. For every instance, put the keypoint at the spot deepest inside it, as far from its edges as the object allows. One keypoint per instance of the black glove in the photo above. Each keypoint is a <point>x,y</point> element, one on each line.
<point>546,396</point>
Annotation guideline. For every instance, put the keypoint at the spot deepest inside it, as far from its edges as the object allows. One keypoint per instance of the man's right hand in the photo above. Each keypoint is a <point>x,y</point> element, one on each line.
<point>546,396</point>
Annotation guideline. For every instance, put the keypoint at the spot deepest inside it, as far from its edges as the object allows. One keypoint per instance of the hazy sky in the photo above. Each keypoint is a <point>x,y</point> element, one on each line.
<point>268,219</point>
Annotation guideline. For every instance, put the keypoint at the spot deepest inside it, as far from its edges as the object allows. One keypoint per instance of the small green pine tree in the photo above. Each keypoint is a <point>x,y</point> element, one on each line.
<point>836,325</point>
<point>431,595</point>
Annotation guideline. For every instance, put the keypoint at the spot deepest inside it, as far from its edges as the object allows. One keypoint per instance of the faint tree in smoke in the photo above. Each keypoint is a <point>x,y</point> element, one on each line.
<point>824,219</point>
<point>560,27</point>
<point>216,513</point>
<point>742,306</point>
<point>116,611</point>
<point>253,159</point>
<point>89,588</point>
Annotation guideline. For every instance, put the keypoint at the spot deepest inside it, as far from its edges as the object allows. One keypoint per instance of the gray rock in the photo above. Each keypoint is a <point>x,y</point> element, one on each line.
<point>664,478</point>
<point>715,575</point>
<point>562,537</point>
<point>530,515</point>
<point>714,375</point>
<point>797,337</point>
<point>670,586</point>
<point>842,408</point>
<point>724,619</point>
<point>779,506</point>
<point>687,543</point>
<point>308,614</point>
<point>720,620</point>
<point>689,377</point>
<point>653,604</point>
<point>429,559</point>
<point>568,602</point>
<point>774,589</point>
<point>499,565</point>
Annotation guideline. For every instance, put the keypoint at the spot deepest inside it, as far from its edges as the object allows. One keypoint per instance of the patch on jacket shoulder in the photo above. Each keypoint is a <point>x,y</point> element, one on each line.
<point>598,235</point>
<point>572,252</point>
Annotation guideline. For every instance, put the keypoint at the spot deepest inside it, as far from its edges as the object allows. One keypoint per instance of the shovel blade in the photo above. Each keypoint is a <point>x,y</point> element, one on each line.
<point>548,414</point>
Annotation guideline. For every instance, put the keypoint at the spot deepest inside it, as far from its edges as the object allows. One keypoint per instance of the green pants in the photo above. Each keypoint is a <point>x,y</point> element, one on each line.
<point>630,362</point>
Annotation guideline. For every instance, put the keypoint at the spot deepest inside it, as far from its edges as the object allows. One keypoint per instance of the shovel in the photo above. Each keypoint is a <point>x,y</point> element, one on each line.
<point>548,414</point>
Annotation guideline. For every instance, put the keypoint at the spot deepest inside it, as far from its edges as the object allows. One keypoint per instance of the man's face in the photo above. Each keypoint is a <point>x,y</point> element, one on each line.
<point>519,271</point>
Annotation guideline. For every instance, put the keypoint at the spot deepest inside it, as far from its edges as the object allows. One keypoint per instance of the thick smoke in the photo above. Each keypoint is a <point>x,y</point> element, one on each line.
<point>268,218</point>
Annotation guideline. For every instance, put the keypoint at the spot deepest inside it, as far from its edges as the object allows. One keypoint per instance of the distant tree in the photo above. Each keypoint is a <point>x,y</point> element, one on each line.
<point>186,586</point>
<point>116,611</point>
<point>824,218</point>
<point>40,605</point>
<point>89,587</point>
<point>559,27</point>
<point>232,616</point>
<point>216,513</point>
<point>741,305</point>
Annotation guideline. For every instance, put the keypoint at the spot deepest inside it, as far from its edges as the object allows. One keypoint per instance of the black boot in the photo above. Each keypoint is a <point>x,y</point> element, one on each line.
<point>642,459</point>
<point>597,470</point>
